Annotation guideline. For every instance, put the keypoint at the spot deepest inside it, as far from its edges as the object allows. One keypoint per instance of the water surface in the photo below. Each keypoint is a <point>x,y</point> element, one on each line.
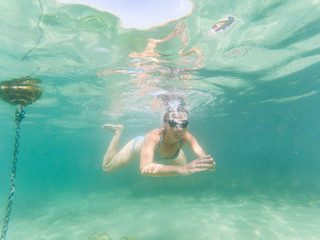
<point>253,93</point>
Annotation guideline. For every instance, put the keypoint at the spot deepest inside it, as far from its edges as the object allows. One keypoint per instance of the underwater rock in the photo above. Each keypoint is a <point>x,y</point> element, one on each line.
<point>128,238</point>
<point>99,236</point>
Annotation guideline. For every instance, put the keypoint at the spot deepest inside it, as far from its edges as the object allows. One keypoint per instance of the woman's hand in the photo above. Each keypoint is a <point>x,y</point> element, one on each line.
<point>198,165</point>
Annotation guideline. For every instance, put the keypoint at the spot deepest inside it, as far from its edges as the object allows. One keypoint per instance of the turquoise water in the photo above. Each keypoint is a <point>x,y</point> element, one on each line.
<point>253,94</point>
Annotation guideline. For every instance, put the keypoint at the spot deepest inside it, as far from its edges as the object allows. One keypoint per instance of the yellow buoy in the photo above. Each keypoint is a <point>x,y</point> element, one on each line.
<point>20,91</point>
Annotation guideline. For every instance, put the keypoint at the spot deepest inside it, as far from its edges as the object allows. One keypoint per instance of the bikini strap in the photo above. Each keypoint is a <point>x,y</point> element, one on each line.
<point>163,134</point>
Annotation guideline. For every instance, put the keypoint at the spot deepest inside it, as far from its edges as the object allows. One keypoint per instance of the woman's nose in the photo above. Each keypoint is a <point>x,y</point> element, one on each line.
<point>179,128</point>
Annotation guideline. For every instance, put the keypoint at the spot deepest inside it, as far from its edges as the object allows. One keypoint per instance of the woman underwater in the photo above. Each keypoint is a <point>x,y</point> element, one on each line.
<point>160,150</point>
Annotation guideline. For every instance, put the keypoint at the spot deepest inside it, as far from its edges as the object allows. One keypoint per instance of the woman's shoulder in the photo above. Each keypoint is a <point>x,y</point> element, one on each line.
<point>187,137</point>
<point>155,134</point>
<point>153,137</point>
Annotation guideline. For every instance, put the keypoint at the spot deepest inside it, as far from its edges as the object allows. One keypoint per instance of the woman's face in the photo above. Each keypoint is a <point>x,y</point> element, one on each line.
<point>177,124</point>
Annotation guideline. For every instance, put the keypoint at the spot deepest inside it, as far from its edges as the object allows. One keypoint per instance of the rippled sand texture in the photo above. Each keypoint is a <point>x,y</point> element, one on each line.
<point>166,217</point>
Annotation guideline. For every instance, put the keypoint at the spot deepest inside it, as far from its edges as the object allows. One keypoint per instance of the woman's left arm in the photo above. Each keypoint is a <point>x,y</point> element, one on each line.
<point>192,142</point>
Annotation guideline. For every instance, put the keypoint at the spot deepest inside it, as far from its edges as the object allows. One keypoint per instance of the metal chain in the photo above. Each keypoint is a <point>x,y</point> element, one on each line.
<point>19,115</point>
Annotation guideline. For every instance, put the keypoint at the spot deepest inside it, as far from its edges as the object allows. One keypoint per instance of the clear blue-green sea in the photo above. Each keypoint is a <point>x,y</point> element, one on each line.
<point>252,90</point>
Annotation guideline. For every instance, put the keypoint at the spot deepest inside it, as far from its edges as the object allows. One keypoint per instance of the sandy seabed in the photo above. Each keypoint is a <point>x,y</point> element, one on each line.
<point>92,216</point>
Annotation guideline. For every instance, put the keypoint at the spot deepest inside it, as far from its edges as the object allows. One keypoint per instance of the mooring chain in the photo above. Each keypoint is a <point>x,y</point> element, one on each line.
<point>19,115</point>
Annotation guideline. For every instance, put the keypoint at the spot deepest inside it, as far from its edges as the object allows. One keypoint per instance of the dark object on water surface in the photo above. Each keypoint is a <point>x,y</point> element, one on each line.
<point>221,25</point>
<point>20,91</point>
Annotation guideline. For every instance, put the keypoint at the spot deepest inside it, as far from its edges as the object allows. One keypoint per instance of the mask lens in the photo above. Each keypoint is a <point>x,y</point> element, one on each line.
<point>172,123</point>
<point>184,124</point>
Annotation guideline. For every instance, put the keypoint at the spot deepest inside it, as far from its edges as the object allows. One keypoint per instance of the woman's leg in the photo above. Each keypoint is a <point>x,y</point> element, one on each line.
<point>113,159</point>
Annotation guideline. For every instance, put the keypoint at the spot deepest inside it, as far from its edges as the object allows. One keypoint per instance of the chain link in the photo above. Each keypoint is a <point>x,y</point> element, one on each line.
<point>19,115</point>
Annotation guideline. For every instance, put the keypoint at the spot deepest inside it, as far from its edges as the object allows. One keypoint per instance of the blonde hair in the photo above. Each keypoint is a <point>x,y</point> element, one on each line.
<point>170,111</point>
<point>174,105</point>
